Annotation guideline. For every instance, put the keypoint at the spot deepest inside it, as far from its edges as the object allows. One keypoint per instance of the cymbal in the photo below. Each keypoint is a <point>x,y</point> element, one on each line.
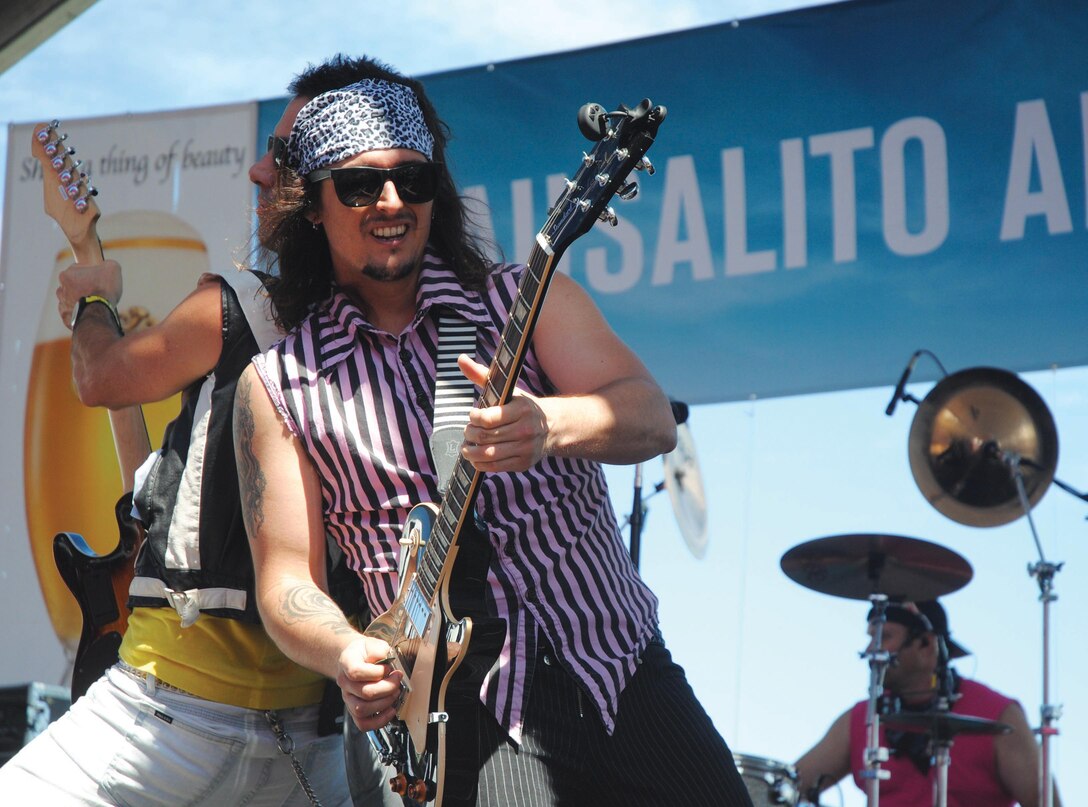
<point>961,440</point>
<point>685,487</point>
<point>943,725</point>
<point>856,566</point>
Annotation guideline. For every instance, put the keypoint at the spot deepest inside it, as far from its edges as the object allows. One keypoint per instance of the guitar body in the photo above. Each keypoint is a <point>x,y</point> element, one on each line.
<point>99,584</point>
<point>445,648</point>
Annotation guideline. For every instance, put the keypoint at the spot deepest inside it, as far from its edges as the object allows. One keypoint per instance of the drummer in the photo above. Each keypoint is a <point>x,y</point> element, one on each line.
<point>987,770</point>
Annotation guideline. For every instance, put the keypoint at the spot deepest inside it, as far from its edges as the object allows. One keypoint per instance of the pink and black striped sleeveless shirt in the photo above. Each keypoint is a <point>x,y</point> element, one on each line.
<point>361,401</point>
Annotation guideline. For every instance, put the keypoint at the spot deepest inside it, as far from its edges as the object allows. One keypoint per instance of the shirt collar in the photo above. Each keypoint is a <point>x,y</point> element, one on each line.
<point>339,322</point>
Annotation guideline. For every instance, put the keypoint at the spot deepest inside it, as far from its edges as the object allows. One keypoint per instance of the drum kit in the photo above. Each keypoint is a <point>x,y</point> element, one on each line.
<point>983,449</point>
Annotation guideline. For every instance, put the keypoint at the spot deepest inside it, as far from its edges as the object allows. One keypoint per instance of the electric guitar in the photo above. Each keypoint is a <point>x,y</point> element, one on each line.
<point>441,638</point>
<point>99,583</point>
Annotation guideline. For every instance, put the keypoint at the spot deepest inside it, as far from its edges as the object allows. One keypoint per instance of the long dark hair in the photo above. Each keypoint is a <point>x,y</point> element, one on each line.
<point>297,253</point>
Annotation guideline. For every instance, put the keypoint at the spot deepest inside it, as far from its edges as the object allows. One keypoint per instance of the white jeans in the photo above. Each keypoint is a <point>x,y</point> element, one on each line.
<point>128,742</point>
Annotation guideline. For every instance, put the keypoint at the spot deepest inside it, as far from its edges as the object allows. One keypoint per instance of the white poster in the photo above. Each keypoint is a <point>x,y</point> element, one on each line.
<point>176,201</point>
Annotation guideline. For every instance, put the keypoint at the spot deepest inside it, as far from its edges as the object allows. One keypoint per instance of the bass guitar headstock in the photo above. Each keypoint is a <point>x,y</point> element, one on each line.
<point>67,194</point>
<point>622,139</point>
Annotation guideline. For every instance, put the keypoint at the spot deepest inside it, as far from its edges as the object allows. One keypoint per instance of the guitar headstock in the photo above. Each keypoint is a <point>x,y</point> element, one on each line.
<point>623,137</point>
<point>67,194</point>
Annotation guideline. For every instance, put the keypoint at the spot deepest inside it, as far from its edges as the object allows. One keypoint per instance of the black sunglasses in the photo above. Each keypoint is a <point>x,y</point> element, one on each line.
<point>278,146</point>
<point>360,186</point>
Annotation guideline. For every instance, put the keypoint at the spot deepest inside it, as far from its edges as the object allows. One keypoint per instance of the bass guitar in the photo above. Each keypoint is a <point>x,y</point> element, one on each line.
<point>99,583</point>
<point>440,635</point>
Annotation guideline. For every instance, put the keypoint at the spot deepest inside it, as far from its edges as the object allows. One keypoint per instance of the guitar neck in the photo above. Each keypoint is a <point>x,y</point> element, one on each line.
<point>68,199</point>
<point>623,138</point>
<point>497,390</point>
<point>130,442</point>
<point>86,245</point>
<point>128,426</point>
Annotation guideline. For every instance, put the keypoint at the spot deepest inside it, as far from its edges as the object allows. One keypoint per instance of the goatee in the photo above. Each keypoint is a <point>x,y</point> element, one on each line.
<point>385,273</point>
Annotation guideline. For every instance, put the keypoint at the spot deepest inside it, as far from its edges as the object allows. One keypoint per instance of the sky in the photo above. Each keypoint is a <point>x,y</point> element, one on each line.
<point>773,662</point>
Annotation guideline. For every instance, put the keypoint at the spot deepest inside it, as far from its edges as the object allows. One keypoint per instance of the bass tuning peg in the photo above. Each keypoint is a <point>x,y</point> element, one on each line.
<point>593,121</point>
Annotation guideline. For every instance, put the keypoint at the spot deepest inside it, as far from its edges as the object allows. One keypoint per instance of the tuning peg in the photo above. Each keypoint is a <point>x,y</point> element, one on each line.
<point>593,121</point>
<point>60,159</point>
<point>66,175</point>
<point>44,133</point>
<point>609,215</point>
<point>645,165</point>
<point>53,145</point>
<point>83,201</point>
<point>628,191</point>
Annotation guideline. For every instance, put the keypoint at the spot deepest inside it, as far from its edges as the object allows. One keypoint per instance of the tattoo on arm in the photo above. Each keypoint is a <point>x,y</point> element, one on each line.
<point>251,478</point>
<point>309,604</point>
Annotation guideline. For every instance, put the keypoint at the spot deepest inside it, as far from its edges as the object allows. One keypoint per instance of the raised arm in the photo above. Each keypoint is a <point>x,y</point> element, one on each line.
<point>608,407</point>
<point>281,505</point>
<point>1018,762</point>
<point>149,364</point>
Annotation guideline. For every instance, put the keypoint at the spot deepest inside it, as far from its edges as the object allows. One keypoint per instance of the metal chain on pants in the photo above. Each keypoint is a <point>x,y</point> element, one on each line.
<point>287,746</point>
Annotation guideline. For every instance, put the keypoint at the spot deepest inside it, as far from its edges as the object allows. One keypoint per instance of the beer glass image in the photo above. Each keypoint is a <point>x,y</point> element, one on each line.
<point>71,473</point>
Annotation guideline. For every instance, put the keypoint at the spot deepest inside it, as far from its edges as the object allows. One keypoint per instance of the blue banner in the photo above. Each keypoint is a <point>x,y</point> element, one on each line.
<point>835,188</point>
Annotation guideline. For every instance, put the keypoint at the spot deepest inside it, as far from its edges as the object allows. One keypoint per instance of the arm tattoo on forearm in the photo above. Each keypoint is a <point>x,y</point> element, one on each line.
<point>308,604</point>
<point>251,478</point>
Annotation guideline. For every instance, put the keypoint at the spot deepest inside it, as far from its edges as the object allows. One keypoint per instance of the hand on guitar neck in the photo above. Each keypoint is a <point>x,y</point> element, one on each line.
<point>68,199</point>
<point>97,330</point>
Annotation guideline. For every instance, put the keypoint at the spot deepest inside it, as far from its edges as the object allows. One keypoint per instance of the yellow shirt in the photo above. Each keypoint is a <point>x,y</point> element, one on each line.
<point>221,660</point>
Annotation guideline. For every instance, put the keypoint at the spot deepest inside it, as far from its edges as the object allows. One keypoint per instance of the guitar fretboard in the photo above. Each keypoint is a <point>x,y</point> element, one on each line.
<point>498,389</point>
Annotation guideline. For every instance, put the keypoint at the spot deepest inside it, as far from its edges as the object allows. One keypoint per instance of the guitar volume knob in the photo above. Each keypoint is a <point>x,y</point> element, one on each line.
<point>399,784</point>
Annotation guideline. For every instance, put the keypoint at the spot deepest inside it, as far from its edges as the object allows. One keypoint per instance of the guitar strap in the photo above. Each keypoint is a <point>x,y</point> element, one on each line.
<point>453,394</point>
<point>453,397</point>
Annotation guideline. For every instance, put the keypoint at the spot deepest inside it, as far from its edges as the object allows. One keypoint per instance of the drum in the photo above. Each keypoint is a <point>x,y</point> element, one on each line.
<point>768,782</point>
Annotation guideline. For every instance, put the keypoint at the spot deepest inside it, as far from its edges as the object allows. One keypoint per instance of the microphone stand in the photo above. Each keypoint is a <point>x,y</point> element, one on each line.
<point>1043,572</point>
<point>638,508</point>
<point>942,743</point>
<point>879,659</point>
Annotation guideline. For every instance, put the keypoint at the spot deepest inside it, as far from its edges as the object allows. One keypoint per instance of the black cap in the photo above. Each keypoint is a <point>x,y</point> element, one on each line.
<point>927,616</point>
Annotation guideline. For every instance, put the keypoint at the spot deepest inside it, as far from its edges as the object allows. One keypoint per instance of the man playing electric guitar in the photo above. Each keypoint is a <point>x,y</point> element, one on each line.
<point>582,704</point>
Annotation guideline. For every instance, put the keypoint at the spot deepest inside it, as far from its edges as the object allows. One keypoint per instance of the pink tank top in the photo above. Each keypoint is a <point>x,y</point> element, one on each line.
<point>972,774</point>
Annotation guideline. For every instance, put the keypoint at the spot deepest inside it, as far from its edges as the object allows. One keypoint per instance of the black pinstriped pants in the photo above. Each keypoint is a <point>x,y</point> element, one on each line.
<point>665,750</point>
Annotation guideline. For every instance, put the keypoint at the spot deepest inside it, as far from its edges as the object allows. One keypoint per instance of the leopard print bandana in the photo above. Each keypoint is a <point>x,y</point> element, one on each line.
<point>365,116</point>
